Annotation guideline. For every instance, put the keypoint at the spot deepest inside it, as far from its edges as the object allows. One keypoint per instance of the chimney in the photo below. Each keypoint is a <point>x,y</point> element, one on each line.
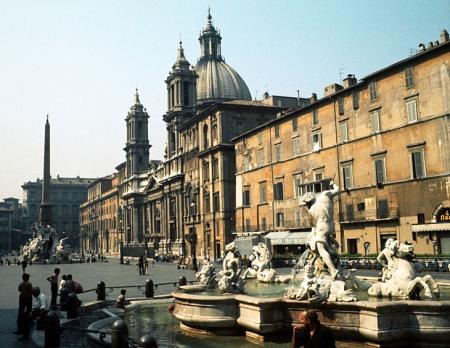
<point>313,98</point>
<point>331,89</point>
<point>349,81</point>
<point>444,36</point>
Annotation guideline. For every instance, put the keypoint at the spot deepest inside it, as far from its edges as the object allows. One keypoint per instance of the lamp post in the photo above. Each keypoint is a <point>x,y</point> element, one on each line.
<point>192,238</point>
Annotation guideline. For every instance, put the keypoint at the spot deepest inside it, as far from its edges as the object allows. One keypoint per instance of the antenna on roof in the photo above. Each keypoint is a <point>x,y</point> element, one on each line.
<point>341,72</point>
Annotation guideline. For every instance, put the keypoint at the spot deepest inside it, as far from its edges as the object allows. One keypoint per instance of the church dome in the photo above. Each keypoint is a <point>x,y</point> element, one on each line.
<point>216,79</point>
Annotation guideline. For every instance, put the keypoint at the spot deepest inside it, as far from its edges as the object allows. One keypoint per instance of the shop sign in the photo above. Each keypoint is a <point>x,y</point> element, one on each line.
<point>443,215</point>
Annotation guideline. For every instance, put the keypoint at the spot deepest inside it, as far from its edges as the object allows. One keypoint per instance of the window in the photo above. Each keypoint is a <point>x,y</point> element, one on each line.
<point>280,220</point>
<point>409,77</point>
<point>315,117</point>
<point>375,121</point>
<point>246,196</point>
<point>263,224</point>
<point>361,206</point>
<point>350,215</point>
<point>260,138</point>
<point>278,152</point>
<point>206,203</point>
<point>316,141</point>
<point>247,225</point>
<point>344,131</point>
<point>185,93</point>
<point>262,192</point>
<point>296,147</point>
<point>411,109</point>
<point>215,169</point>
<point>260,157</point>
<point>380,173</point>
<point>298,185</point>
<point>355,97</point>
<point>421,218</point>
<point>373,94</point>
<point>214,131</point>
<point>341,107</point>
<point>205,171</point>
<point>382,209</point>
<point>347,176</point>
<point>417,164</point>
<point>277,131</point>
<point>298,218</point>
<point>246,163</point>
<point>278,191</point>
<point>216,202</point>
<point>294,125</point>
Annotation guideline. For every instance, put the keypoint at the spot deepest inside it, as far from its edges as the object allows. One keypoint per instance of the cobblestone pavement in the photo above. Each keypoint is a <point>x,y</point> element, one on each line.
<point>112,273</point>
<point>87,274</point>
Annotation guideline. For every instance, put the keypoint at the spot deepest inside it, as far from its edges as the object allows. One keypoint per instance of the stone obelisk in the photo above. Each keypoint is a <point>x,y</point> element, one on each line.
<point>45,218</point>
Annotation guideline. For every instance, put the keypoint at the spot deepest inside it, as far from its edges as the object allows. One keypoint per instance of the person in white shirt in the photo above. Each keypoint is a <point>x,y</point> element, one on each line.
<point>40,304</point>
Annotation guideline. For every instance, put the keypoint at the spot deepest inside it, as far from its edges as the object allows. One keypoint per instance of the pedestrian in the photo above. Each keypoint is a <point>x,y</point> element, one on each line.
<point>141,265</point>
<point>25,306</point>
<point>62,282</point>
<point>40,307</point>
<point>1,262</point>
<point>24,264</point>
<point>120,303</point>
<point>53,279</point>
<point>145,266</point>
<point>9,262</point>
<point>310,333</point>
<point>66,290</point>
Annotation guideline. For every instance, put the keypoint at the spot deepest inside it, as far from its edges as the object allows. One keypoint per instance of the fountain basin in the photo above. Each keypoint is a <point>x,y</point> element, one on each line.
<point>408,323</point>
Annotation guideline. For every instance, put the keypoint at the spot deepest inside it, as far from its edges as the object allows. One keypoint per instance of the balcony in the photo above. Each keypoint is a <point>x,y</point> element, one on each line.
<point>370,209</point>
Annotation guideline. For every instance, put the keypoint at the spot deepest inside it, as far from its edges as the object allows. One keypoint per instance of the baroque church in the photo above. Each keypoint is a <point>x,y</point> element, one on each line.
<point>185,204</point>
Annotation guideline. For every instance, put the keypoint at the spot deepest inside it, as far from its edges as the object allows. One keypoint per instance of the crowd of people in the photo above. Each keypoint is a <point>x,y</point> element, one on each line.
<point>34,304</point>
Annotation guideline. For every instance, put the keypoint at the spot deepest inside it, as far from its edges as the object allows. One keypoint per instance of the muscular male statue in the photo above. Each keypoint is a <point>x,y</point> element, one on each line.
<point>321,239</point>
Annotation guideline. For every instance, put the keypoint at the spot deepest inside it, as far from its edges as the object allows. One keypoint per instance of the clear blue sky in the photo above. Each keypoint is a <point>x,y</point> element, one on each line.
<point>80,61</point>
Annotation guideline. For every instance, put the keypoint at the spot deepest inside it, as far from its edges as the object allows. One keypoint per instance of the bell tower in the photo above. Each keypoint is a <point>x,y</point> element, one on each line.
<point>181,99</point>
<point>137,146</point>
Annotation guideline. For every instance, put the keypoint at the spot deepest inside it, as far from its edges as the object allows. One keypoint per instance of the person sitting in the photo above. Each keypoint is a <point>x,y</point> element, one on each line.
<point>120,303</point>
<point>66,290</point>
<point>40,307</point>
<point>310,333</point>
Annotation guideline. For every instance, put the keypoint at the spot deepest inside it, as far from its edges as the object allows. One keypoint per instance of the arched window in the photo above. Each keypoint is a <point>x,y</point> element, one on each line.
<point>205,136</point>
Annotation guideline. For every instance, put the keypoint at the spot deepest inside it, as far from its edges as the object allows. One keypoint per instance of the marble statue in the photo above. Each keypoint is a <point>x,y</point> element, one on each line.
<point>260,265</point>
<point>231,280</point>
<point>323,280</point>
<point>44,245</point>
<point>206,273</point>
<point>400,277</point>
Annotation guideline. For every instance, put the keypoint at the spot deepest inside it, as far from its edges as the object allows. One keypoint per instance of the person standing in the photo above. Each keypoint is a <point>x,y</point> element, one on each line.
<point>53,279</point>
<point>24,264</point>
<point>310,333</point>
<point>145,266</point>
<point>25,307</point>
<point>141,265</point>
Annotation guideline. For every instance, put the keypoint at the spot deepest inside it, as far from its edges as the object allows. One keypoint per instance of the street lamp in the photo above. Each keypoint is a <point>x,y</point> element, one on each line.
<point>192,238</point>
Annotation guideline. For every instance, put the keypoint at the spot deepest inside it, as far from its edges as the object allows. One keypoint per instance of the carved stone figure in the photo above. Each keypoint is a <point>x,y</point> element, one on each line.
<point>206,273</point>
<point>44,246</point>
<point>260,265</point>
<point>400,279</point>
<point>231,280</point>
<point>321,240</point>
<point>323,280</point>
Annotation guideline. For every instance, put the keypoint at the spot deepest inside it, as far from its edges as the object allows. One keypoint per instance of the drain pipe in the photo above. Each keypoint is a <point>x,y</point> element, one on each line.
<point>341,228</point>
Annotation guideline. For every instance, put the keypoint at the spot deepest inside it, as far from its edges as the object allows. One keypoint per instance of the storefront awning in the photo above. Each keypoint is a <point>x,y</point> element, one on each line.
<point>287,238</point>
<point>431,227</point>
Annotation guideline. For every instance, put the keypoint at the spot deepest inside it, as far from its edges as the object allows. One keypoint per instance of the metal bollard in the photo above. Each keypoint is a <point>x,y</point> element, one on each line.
<point>119,334</point>
<point>182,281</point>
<point>52,330</point>
<point>148,341</point>
<point>101,292</point>
<point>73,303</point>
<point>149,291</point>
